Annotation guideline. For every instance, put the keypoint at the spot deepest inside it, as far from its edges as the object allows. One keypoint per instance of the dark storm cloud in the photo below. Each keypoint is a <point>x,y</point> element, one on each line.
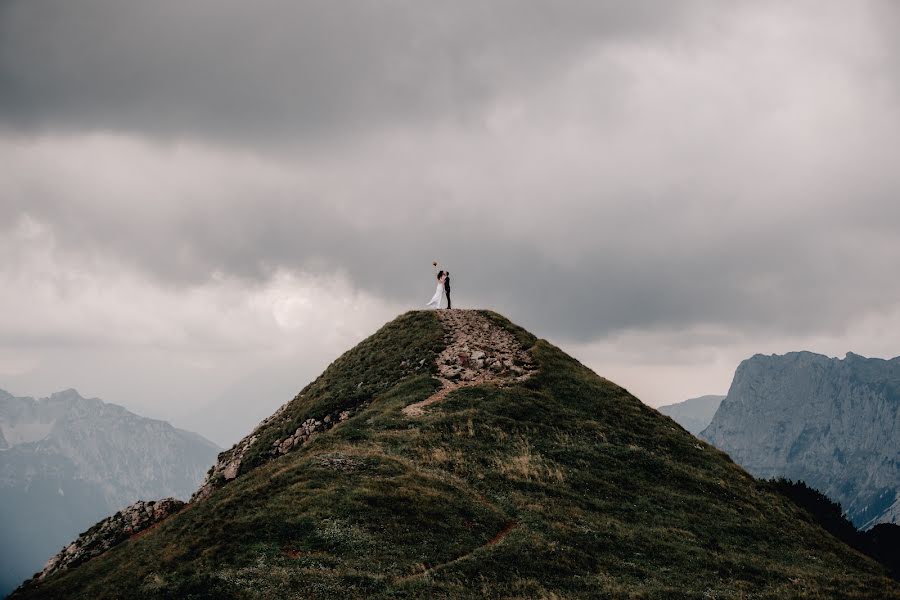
<point>283,70</point>
<point>721,164</point>
<point>597,268</point>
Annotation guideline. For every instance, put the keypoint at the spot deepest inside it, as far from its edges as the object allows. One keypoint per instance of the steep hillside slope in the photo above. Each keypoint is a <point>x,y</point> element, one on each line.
<point>71,461</point>
<point>694,414</point>
<point>520,473</point>
<point>829,422</point>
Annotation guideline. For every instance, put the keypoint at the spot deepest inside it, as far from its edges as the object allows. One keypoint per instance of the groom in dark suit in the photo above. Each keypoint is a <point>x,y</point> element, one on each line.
<point>447,286</point>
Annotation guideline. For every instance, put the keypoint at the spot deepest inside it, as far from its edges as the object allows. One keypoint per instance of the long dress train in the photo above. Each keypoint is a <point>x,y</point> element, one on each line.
<point>435,302</point>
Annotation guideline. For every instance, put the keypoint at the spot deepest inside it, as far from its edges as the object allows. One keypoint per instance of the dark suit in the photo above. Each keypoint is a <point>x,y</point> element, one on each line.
<point>447,288</point>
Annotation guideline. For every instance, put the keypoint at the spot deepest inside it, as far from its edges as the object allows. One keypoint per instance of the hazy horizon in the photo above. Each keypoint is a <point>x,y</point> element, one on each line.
<point>227,433</point>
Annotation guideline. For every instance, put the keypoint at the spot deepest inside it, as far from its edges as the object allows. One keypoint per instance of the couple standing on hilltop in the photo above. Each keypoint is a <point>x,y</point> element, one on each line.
<point>443,287</point>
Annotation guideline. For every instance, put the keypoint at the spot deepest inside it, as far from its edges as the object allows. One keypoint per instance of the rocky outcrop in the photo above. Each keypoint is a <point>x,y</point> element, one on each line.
<point>477,352</point>
<point>110,532</point>
<point>228,466</point>
<point>828,422</point>
<point>310,427</point>
<point>228,463</point>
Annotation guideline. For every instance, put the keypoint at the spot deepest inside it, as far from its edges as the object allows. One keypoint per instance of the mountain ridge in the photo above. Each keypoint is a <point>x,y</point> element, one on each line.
<point>69,461</point>
<point>827,421</point>
<point>694,414</point>
<point>558,484</point>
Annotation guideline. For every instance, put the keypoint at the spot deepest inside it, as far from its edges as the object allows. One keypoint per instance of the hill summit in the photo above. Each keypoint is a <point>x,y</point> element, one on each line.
<point>453,454</point>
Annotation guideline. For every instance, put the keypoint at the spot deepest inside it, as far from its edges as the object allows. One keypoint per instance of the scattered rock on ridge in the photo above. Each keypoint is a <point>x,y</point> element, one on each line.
<point>110,532</point>
<point>478,352</point>
<point>229,463</point>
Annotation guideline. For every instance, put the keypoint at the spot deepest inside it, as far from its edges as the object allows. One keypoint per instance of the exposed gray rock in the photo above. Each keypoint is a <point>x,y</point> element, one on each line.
<point>832,423</point>
<point>477,352</point>
<point>228,465</point>
<point>110,532</point>
<point>694,414</point>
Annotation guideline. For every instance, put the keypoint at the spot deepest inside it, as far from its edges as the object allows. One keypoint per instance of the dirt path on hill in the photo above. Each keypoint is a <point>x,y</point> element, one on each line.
<point>507,529</point>
<point>478,352</point>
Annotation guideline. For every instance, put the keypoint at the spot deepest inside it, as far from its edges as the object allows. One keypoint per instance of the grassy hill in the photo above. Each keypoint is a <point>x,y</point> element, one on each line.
<point>553,484</point>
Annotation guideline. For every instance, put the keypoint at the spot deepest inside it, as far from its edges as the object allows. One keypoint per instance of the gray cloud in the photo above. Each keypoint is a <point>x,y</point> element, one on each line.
<point>599,260</point>
<point>276,69</point>
<point>660,173</point>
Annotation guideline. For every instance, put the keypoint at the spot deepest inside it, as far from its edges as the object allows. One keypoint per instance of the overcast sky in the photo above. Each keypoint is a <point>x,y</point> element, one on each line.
<point>203,203</point>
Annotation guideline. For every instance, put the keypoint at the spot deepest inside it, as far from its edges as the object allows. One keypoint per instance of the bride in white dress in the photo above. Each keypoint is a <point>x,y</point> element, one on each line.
<point>435,302</point>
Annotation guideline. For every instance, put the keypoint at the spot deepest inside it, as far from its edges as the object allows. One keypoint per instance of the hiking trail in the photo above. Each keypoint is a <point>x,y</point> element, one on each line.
<point>478,352</point>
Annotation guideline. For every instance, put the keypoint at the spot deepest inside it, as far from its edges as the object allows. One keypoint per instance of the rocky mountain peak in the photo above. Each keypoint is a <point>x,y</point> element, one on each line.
<point>827,421</point>
<point>68,394</point>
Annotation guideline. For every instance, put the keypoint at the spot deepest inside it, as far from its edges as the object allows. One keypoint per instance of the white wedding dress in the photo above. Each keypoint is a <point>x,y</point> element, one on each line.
<point>435,302</point>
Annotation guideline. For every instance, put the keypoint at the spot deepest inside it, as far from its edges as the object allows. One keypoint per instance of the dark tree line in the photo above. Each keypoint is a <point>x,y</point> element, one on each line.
<point>881,542</point>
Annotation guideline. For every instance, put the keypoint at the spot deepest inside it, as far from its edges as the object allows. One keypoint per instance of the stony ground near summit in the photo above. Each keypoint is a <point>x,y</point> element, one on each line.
<point>477,352</point>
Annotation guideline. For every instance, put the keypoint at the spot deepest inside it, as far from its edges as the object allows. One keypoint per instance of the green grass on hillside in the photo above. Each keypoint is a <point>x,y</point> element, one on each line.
<point>407,345</point>
<point>565,486</point>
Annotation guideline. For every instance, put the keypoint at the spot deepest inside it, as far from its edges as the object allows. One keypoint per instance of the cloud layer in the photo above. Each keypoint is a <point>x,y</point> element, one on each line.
<point>683,180</point>
<point>277,69</point>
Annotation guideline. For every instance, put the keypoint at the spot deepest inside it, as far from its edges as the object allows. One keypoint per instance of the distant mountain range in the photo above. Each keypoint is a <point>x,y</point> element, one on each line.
<point>694,414</point>
<point>832,423</point>
<point>68,461</point>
